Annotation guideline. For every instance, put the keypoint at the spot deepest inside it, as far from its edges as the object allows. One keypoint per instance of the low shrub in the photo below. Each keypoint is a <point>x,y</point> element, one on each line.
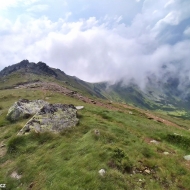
<point>121,161</point>
<point>179,140</point>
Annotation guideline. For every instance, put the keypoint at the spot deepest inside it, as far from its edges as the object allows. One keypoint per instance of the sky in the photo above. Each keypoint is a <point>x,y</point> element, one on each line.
<point>107,40</point>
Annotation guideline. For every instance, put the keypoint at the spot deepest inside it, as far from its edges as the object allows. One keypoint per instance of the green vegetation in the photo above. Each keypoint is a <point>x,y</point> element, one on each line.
<point>136,151</point>
<point>111,139</point>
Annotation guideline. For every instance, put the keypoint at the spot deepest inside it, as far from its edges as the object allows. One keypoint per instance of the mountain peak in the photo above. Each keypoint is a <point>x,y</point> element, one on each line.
<point>26,66</point>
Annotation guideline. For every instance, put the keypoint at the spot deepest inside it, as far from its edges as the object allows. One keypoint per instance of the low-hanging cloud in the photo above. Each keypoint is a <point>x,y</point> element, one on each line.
<point>104,49</point>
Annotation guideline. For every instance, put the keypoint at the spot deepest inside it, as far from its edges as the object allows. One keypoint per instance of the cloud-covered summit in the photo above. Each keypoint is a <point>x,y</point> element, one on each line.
<point>98,41</point>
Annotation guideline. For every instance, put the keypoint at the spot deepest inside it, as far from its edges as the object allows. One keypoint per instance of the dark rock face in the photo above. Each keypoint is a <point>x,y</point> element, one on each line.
<point>10,69</point>
<point>43,67</point>
<point>26,66</point>
<point>52,117</point>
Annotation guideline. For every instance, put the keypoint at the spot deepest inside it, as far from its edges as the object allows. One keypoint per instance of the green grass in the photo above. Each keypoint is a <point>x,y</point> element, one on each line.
<point>72,159</point>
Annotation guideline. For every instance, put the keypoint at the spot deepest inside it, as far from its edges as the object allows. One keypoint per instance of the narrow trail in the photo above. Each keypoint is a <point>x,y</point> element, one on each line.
<point>154,117</point>
<point>46,86</point>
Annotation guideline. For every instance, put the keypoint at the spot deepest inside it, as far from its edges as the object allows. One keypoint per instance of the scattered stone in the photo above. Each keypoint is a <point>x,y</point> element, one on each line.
<point>2,145</point>
<point>147,171</point>
<point>130,112</point>
<point>52,117</point>
<point>97,132</point>
<point>15,175</point>
<point>24,108</point>
<point>31,185</point>
<point>140,180</point>
<point>187,157</point>
<point>166,153</point>
<point>79,107</point>
<point>94,102</point>
<point>102,172</point>
<point>154,141</point>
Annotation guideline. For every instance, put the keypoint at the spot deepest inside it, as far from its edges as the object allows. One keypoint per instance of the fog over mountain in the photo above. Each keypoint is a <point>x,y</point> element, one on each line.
<point>100,41</point>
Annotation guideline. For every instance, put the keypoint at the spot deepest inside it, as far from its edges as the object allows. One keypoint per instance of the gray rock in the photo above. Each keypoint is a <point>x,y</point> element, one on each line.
<point>166,153</point>
<point>154,142</point>
<point>24,108</point>
<point>52,117</point>
<point>15,175</point>
<point>79,107</point>
<point>187,157</point>
<point>102,172</point>
<point>97,132</point>
<point>147,171</point>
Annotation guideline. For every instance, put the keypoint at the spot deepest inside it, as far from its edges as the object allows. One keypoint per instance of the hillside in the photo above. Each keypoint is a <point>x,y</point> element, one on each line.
<point>156,95</point>
<point>138,149</point>
<point>27,72</point>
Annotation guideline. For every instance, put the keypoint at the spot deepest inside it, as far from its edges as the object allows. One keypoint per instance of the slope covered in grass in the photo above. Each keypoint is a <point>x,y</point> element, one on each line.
<point>72,159</point>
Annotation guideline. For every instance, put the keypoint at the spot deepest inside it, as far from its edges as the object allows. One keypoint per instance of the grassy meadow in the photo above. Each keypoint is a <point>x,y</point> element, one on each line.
<point>71,160</point>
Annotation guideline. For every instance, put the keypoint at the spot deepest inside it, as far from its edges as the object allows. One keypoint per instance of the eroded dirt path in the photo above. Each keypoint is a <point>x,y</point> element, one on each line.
<point>154,117</point>
<point>46,86</point>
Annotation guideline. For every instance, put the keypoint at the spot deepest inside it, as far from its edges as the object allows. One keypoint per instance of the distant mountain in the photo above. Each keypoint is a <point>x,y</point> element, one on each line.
<point>26,66</point>
<point>27,72</point>
<point>163,95</point>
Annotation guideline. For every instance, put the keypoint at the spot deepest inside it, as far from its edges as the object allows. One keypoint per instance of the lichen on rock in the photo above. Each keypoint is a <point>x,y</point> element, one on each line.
<point>24,108</point>
<point>52,117</point>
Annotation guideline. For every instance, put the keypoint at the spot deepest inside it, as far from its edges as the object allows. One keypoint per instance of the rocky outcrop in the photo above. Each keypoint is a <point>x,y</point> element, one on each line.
<point>52,117</point>
<point>24,108</point>
<point>26,66</point>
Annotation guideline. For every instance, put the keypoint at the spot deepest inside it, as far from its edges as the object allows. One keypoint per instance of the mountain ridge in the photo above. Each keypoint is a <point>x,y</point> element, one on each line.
<point>157,95</point>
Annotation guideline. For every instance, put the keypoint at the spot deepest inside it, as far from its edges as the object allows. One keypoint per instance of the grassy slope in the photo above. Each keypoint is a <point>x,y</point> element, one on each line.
<point>71,160</point>
<point>62,79</point>
<point>132,94</point>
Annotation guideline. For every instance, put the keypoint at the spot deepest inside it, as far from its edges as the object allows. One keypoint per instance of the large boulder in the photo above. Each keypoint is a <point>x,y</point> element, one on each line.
<point>24,108</point>
<point>52,117</point>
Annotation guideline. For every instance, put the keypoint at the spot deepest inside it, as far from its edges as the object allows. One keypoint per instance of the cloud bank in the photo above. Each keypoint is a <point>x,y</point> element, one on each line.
<point>104,47</point>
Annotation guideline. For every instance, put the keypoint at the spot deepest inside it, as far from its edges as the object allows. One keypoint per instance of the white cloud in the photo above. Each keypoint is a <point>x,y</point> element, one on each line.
<point>38,8</point>
<point>8,3</point>
<point>169,3</point>
<point>96,49</point>
<point>172,18</point>
<point>14,3</point>
<point>187,32</point>
<point>89,49</point>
